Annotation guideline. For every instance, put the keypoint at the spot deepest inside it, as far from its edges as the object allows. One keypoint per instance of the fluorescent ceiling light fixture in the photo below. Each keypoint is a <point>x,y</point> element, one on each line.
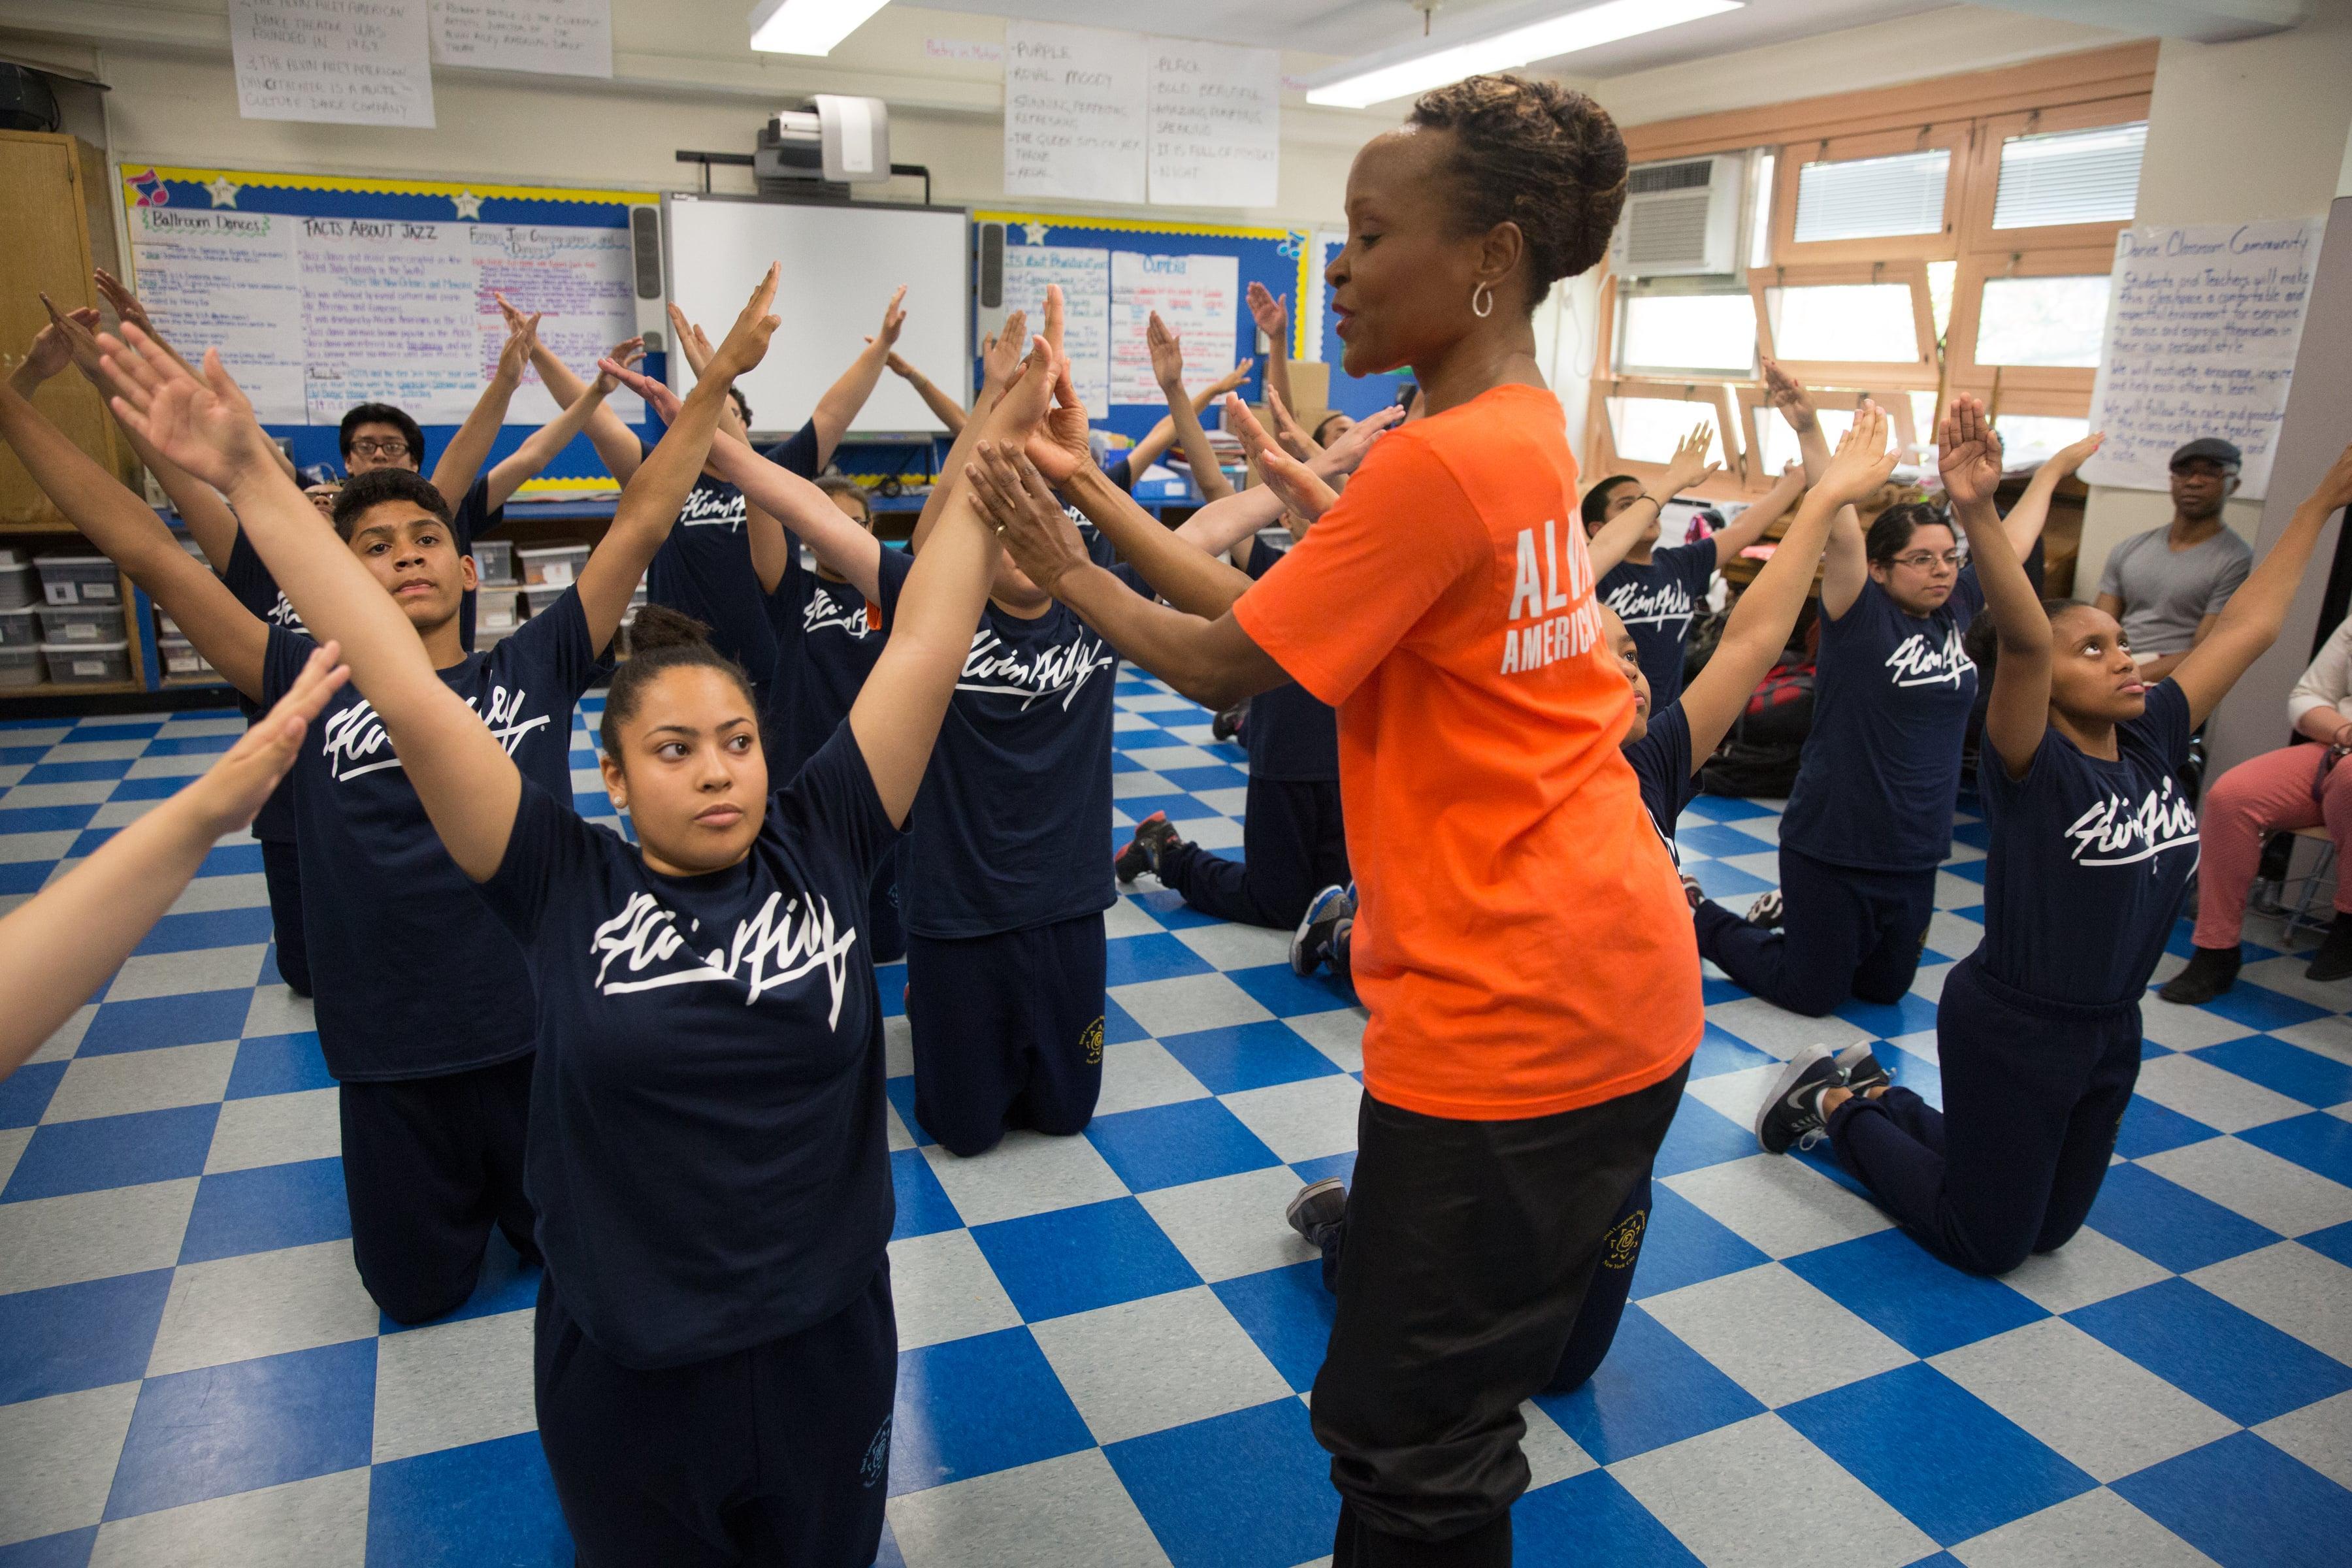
<point>1433,62</point>
<point>807,27</point>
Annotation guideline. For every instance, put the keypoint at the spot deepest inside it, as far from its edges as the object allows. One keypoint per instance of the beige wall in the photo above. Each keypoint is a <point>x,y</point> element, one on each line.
<point>2255,130</point>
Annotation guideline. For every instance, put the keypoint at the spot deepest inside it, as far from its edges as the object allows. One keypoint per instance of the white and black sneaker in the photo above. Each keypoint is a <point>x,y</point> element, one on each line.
<point>1766,911</point>
<point>1310,944</point>
<point>1317,1207</point>
<point>1792,1113</point>
<point>1861,1069</point>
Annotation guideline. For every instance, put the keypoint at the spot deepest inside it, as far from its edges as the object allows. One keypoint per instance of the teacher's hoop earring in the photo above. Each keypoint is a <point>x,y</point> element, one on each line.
<point>1485,291</point>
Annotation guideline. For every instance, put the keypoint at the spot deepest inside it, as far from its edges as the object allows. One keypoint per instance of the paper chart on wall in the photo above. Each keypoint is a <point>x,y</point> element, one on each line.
<point>553,38</point>
<point>2203,321</point>
<point>314,314</point>
<point>1075,119</point>
<point>332,61</point>
<point>1199,297</point>
<point>1084,273</point>
<point>1216,124</point>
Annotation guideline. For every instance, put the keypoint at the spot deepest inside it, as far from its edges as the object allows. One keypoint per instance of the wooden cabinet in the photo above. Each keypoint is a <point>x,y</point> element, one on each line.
<point>56,222</point>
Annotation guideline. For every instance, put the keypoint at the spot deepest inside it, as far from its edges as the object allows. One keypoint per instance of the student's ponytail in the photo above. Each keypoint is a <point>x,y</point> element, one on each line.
<point>660,639</point>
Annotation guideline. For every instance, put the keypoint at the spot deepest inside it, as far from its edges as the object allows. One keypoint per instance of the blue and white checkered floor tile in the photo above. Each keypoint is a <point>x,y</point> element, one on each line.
<point>1106,1339</point>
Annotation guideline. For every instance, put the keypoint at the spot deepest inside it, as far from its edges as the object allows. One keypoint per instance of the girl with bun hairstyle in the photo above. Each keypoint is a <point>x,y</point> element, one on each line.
<point>716,1353</point>
<point>1523,945</point>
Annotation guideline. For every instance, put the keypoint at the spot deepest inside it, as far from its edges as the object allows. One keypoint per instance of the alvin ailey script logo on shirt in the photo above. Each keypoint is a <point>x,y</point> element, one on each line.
<point>994,666</point>
<point>1916,661</point>
<point>707,506</point>
<point>1661,604</point>
<point>825,613</point>
<point>787,939</point>
<point>354,743</point>
<point>2116,833</point>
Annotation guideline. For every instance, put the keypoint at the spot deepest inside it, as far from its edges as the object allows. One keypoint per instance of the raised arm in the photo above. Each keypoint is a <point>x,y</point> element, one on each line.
<point>540,448</point>
<point>1968,452</point>
<point>1758,631</point>
<point>1271,311</point>
<point>462,458</point>
<point>2250,623</point>
<point>1761,514</point>
<point>897,716</point>
<point>464,778</point>
<point>944,409</point>
<point>1209,659</point>
<point>124,528</point>
<point>1846,565</point>
<point>57,948</point>
<point>129,311</point>
<point>1620,535</point>
<point>1168,369</point>
<point>838,407</point>
<point>649,508</point>
<point>1000,362</point>
<point>617,446</point>
<point>2027,518</point>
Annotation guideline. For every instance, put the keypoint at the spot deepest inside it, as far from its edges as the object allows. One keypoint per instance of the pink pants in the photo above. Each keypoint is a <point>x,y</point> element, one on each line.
<point>2260,796</point>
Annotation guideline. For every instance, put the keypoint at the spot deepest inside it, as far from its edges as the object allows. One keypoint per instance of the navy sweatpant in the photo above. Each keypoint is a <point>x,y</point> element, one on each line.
<point>429,1165</point>
<point>281,873</point>
<point>775,1457</point>
<point>2034,1092</point>
<point>1843,932</point>
<point>1293,847</point>
<point>1008,1032</point>
<point>1605,1298</point>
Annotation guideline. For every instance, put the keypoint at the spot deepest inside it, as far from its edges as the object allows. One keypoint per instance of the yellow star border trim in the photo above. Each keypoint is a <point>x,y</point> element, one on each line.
<point>245,178</point>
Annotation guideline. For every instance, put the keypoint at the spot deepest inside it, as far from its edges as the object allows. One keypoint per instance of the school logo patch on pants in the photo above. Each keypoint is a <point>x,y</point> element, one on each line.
<point>1623,1243</point>
<point>877,1463</point>
<point>1090,1043</point>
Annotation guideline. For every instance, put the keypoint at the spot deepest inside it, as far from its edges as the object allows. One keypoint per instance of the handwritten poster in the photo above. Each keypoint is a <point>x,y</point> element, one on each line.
<point>554,37</point>
<point>1199,297</point>
<point>1085,276</point>
<point>2202,324</point>
<point>350,62</point>
<point>314,314</point>
<point>1216,124</point>
<point>1074,123</point>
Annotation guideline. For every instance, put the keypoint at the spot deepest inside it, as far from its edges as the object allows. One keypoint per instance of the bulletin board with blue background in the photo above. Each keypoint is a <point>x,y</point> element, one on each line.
<point>1115,271</point>
<point>322,292</point>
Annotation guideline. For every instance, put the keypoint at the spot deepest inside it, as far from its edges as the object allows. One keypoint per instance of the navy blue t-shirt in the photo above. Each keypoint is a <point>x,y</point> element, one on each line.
<point>708,1153</point>
<point>1891,696</point>
<point>2088,858</point>
<point>1662,764</point>
<point>1011,827</point>
<point>828,638</point>
<point>704,568</point>
<point>1292,738</point>
<point>474,517</point>
<point>251,586</point>
<point>413,978</point>
<point>1656,603</point>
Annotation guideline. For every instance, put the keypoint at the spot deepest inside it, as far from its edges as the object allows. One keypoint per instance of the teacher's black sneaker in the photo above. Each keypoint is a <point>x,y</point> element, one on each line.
<point>1154,836</point>
<point>1766,911</point>
<point>1228,721</point>
<point>1310,944</point>
<point>2210,971</point>
<point>1792,1113</point>
<point>1320,1205</point>
<point>2333,959</point>
<point>1860,1069</point>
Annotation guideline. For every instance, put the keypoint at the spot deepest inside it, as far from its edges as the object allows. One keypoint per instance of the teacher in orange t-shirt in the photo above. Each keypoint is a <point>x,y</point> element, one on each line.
<point>1522,941</point>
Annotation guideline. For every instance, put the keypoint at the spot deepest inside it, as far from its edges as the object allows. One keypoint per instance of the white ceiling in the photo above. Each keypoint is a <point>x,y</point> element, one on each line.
<point>1350,27</point>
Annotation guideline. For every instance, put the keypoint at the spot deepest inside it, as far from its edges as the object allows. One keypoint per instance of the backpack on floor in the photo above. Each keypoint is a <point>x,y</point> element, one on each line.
<point>1759,757</point>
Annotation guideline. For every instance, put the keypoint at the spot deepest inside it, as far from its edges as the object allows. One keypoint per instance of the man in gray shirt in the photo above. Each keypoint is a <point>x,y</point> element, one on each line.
<point>2168,585</point>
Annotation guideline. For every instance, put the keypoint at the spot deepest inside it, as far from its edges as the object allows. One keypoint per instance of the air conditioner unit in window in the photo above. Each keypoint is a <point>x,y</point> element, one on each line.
<point>1682,217</point>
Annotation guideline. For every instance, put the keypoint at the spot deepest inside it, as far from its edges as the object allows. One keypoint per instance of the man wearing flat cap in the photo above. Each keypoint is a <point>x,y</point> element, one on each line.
<point>2168,585</point>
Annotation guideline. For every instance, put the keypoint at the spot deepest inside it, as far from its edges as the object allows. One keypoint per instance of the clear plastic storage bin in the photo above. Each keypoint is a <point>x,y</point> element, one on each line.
<point>18,588</point>
<point>494,560</point>
<point>552,566</point>
<point>498,610</point>
<point>19,629</point>
<point>98,624</point>
<point>68,580</point>
<point>19,667</point>
<point>87,664</point>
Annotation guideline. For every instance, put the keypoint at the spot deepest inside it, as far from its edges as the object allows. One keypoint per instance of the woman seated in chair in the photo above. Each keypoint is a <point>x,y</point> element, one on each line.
<point>2299,786</point>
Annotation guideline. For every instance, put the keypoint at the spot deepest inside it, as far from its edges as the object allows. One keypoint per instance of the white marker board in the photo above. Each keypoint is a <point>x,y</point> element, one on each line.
<point>842,261</point>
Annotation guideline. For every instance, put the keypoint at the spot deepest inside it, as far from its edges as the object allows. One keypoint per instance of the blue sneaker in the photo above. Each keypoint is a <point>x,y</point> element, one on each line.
<point>1792,1113</point>
<point>1312,944</point>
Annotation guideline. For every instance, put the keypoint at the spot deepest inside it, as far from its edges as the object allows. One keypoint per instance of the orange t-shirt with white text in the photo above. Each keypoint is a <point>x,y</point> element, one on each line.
<point>1521,940</point>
